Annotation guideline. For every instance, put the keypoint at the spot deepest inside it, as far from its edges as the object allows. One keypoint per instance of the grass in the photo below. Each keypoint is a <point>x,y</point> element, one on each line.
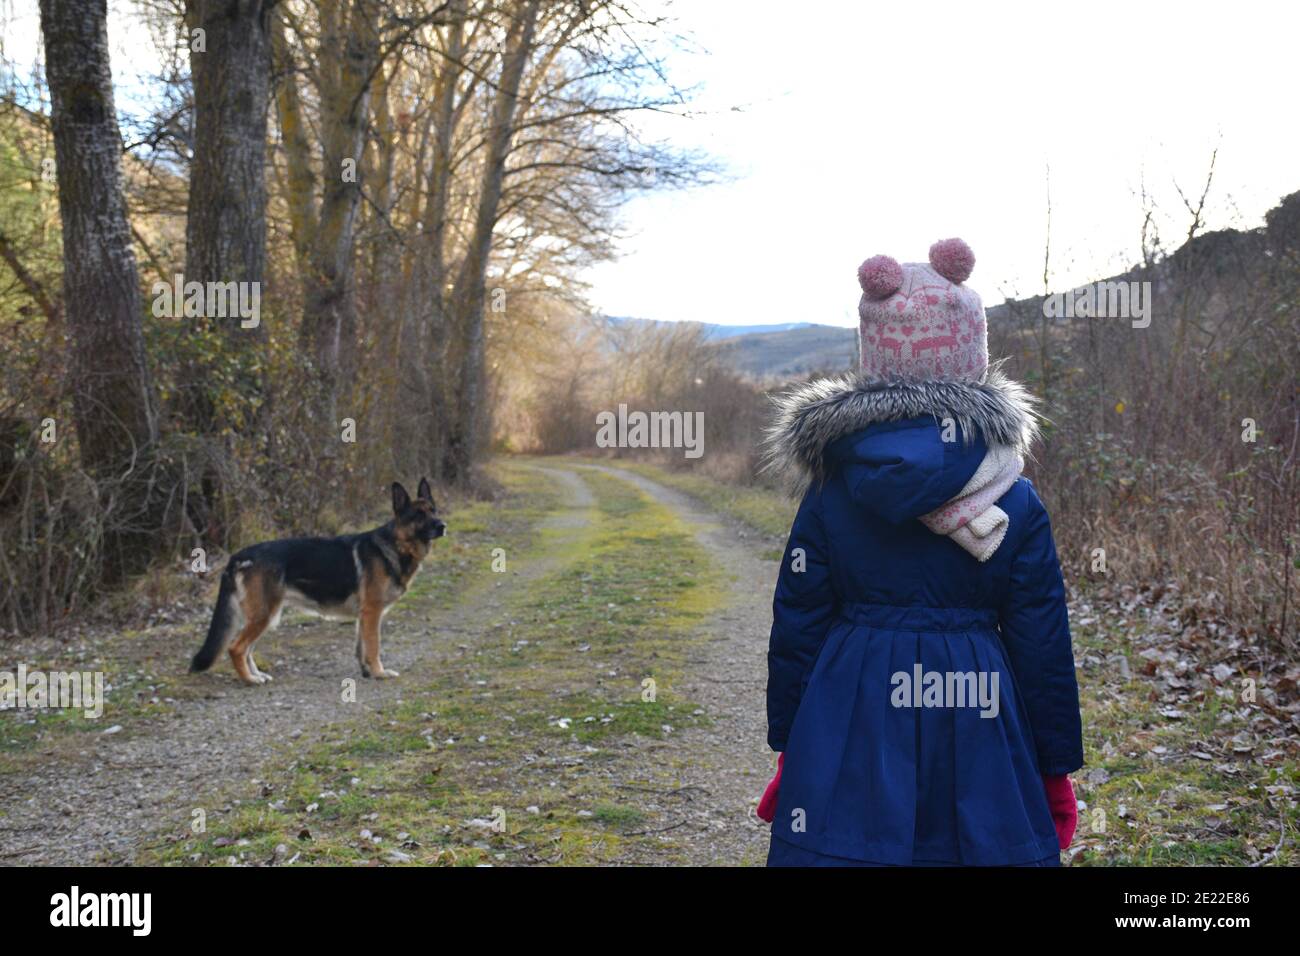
<point>762,510</point>
<point>521,747</point>
<point>131,696</point>
<point>1173,792</point>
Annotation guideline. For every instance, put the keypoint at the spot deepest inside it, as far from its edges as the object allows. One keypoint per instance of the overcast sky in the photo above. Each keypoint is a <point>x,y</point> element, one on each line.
<point>855,128</point>
<point>880,127</point>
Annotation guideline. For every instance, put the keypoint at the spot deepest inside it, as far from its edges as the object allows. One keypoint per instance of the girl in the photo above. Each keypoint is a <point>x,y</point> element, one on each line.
<point>921,687</point>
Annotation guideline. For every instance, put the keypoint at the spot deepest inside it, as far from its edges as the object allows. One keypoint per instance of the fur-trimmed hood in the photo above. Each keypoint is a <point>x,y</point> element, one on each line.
<point>812,416</point>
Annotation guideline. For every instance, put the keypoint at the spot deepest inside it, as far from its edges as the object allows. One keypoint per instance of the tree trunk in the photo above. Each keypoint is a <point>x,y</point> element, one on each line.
<point>348,56</point>
<point>300,185</point>
<point>469,296</point>
<point>225,232</point>
<point>112,397</point>
<point>425,331</point>
<point>225,228</point>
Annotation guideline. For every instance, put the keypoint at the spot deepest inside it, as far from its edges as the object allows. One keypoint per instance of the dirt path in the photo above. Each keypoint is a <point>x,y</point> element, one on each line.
<point>726,764</point>
<point>99,797</point>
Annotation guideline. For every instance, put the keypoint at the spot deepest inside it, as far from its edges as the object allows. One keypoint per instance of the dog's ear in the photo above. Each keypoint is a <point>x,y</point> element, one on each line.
<point>426,492</point>
<point>401,500</point>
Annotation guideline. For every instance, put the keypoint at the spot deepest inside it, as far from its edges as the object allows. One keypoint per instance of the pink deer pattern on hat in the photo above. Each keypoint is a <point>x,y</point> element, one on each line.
<point>918,320</point>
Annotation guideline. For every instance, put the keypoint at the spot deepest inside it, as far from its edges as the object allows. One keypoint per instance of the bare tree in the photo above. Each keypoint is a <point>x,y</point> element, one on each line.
<point>470,291</point>
<point>495,140</point>
<point>346,62</point>
<point>112,393</point>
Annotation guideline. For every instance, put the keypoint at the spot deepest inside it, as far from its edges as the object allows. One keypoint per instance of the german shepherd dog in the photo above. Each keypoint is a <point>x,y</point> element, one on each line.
<point>356,576</point>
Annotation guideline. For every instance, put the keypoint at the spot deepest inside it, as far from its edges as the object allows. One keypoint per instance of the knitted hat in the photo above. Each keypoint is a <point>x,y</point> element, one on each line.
<point>917,320</point>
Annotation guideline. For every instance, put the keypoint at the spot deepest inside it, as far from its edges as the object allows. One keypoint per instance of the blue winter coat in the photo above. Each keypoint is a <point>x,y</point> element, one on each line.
<point>866,593</point>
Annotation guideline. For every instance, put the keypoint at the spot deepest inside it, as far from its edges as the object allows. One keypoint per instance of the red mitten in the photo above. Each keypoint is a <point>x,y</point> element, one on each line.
<point>1064,807</point>
<point>767,804</point>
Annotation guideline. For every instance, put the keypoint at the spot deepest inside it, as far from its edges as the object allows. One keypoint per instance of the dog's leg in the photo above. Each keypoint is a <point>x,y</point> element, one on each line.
<point>371,615</point>
<point>241,652</point>
<point>361,654</point>
<point>259,676</point>
<point>260,606</point>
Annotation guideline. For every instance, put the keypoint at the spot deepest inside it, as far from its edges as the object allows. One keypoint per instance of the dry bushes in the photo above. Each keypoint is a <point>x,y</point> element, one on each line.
<point>558,392</point>
<point>1173,448</point>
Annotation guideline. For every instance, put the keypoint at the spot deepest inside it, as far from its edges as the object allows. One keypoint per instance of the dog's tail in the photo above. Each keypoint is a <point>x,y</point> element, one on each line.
<point>223,623</point>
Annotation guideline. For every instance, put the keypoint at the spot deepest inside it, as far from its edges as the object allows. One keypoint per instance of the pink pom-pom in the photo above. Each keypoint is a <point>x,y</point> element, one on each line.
<point>952,259</point>
<point>880,277</point>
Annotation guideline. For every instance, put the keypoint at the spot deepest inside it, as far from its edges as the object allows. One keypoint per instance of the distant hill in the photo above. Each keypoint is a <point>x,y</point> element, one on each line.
<point>712,330</point>
<point>779,350</point>
<point>716,332</point>
<point>791,352</point>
